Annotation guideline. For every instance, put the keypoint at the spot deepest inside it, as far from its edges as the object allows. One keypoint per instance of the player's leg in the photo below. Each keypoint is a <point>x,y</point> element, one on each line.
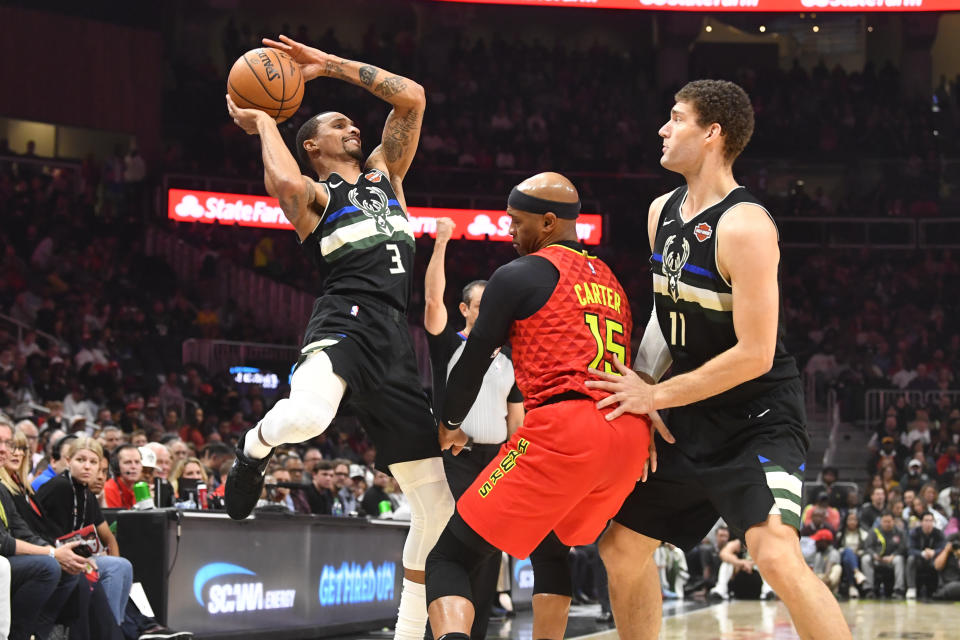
<point>431,504</point>
<point>457,553</point>
<point>552,588</point>
<point>315,394</point>
<point>775,549</point>
<point>635,596</point>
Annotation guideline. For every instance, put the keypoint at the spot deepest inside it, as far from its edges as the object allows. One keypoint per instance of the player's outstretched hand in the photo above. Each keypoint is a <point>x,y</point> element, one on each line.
<point>313,62</point>
<point>656,426</point>
<point>627,390</point>
<point>454,439</point>
<point>246,119</point>
<point>445,227</point>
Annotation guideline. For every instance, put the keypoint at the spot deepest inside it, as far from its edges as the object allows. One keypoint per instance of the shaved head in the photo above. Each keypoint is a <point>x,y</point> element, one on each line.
<point>550,186</point>
<point>535,222</point>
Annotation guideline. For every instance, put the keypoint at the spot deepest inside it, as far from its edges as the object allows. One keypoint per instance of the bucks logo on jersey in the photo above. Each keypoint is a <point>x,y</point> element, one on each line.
<point>375,207</point>
<point>674,259</point>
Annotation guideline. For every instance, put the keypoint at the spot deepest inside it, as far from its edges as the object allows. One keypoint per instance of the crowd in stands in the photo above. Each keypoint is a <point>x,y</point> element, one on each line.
<point>515,105</point>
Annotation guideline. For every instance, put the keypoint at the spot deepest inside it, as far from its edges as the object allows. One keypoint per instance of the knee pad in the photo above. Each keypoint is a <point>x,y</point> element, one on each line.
<point>457,552</point>
<point>431,505</point>
<point>551,567</point>
<point>296,419</point>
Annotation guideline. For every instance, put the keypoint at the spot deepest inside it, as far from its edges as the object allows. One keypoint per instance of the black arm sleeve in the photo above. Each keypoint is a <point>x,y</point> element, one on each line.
<point>516,291</point>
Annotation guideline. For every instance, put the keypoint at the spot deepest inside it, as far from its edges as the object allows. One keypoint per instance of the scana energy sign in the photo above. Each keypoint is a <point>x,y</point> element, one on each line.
<point>264,212</point>
<point>739,5</point>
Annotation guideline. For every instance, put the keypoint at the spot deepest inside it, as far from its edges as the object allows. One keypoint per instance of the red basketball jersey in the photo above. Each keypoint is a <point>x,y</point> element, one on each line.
<point>584,323</point>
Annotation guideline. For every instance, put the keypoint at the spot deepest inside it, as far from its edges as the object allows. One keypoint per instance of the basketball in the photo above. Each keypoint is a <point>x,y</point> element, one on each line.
<point>268,80</point>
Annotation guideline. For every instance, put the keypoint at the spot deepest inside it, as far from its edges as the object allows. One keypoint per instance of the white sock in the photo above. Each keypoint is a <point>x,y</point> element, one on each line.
<point>412,616</point>
<point>253,448</point>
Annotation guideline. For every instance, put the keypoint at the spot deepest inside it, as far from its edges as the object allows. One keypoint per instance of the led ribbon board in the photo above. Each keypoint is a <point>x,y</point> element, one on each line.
<point>243,210</point>
<point>739,5</point>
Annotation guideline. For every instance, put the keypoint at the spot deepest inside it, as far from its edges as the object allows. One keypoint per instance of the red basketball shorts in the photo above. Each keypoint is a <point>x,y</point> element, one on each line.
<point>567,469</point>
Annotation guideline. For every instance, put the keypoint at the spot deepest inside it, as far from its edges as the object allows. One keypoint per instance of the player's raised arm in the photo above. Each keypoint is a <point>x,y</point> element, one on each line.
<point>401,133</point>
<point>435,281</point>
<point>300,197</point>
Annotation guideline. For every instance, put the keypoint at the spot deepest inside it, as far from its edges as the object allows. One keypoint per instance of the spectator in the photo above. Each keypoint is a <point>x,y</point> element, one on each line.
<point>883,562</point>
<point>294,466</point>
<point>214,456</point>
<point>947,563</point>
<point>58,461</point>
<point>310,459</point>
<point>110,438</point>
<point>373,500</point>
<point>188,469</point>
<point>69,505</point>
<point>42,577</point>
<point>949,463</point>
<point>75,403</point>
<point>274,495</point>
<point>161,475</point>
<point>817,521</point>
<point>837,494</point>
<point>343,485</point>
<point>830,515</point>
<point>704,561</point>
<point>926,542</point>
<point>320,494</point>
<point>825,560</point>
<point>178,449</point>
<point>918,431</point>
<point>852,542</point>
<point>887,455</point>
<point>128,470</point>
<point>914,478</point>
<point>737,576</point>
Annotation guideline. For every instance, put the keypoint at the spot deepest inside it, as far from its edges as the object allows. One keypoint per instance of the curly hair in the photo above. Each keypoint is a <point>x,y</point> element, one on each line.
<point>725,103</point>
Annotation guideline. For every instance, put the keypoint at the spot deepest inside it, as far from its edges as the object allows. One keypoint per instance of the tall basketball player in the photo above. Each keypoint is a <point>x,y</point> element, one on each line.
<point>736,400</point>
<point>351,220</point>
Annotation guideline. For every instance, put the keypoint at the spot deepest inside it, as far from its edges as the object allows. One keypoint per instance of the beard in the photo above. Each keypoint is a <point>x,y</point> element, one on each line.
<point>355,153</point>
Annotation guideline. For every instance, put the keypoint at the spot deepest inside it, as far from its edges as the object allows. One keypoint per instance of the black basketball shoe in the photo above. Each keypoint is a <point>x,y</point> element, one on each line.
<point>244,482</point>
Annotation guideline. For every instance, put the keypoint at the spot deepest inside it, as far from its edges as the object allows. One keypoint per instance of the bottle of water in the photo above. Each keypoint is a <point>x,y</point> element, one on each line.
<point>337,509</point>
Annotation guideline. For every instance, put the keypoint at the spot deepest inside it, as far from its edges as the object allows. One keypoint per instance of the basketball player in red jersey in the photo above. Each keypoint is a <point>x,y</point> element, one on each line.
<point>567,469</point>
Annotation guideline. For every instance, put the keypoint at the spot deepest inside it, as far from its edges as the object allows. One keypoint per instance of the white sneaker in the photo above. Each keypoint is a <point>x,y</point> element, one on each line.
<point>854,593</point>
<point>911,594</point>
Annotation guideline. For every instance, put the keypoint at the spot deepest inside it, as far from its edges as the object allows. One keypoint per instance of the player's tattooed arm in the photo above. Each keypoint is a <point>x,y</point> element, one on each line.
<point>368,73</point>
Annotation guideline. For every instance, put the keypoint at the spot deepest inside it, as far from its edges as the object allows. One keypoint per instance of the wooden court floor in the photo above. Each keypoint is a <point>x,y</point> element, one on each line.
<point>756,620</point>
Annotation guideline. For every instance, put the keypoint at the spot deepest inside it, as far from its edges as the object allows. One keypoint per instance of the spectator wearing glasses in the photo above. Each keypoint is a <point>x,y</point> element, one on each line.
<point>42,577</point>
<point>311,457</point>
<point>344,486</point>
<point>32,435</point>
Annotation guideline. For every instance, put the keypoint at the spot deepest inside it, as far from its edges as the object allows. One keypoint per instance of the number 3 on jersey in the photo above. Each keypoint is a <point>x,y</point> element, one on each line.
<point>612,329</point>
<point>397,264</point>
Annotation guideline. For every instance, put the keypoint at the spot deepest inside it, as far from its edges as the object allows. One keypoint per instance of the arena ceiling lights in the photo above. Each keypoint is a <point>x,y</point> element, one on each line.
<point>739,5</point>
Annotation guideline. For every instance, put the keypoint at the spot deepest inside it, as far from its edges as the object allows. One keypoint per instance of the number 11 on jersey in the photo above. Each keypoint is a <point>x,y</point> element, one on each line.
<point>676,318</point>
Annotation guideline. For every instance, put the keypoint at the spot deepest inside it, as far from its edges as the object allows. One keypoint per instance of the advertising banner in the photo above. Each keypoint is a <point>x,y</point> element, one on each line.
<point>284,573</point>
<point>243,210</point>
<point>772,6</point>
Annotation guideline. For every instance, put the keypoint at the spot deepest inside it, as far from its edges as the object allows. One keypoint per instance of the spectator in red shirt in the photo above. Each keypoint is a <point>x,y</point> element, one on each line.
<point>127,471</point>
<point>949,462</point>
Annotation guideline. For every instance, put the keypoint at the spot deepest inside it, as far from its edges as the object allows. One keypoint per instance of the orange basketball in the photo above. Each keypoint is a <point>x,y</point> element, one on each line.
<point>268,80</point>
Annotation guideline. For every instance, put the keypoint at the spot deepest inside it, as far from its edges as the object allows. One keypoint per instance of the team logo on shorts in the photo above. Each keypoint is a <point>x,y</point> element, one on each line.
<point>674,259</point>
<point>703,231</point>
<point>376,206</point>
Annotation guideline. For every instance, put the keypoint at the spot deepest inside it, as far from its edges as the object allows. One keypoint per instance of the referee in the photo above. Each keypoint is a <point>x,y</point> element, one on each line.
<point>496,414</point>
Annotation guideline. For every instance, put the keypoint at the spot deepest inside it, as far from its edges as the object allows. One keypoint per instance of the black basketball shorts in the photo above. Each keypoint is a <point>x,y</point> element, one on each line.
<point>758,473</point>
<point>370,347</point>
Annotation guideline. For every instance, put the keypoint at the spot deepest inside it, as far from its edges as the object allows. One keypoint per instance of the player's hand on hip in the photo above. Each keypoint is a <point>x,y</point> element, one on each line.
<point>656,426</point>
<point>445,227</point>
<point>312,61</point>
<point>627,390</point>
<point>246,119</point>
<point>454,439</point>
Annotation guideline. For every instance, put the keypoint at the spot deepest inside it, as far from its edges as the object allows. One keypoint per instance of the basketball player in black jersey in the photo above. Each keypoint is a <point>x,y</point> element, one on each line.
<point>352,221</point>
<point>735,397</point>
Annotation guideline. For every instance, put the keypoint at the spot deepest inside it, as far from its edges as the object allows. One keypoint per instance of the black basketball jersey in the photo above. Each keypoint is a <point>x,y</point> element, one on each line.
<point>694,303</point>
<point>364,244</point>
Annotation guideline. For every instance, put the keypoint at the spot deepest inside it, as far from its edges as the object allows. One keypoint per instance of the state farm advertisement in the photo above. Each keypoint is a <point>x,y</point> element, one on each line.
<point>242,210</point>
<point>739,5</point>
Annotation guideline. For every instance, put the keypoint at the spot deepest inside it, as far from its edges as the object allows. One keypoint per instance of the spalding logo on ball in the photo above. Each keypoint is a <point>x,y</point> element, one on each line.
<point>268,80</point>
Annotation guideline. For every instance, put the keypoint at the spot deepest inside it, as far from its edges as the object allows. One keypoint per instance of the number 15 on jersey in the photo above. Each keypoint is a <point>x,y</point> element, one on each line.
<point>606,341</point>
